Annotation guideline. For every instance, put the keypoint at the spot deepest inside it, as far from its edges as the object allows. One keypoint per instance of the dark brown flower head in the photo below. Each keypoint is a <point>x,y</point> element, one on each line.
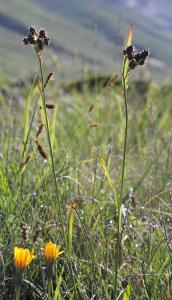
<point>38,39</point>
<point>32,30</point>
<point>132,64</point>
<point>25,41</point>
<point>145,53</point>
<point>135,57</point>
<point>129,51</point>
<point>42,34</point>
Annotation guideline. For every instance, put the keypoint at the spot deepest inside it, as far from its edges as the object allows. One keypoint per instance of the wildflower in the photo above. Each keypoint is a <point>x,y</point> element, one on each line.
<point>22,258</point>
<point>135,57</point>
<point>52,252</point>
<point>129,51</point>
<point>38,39</point>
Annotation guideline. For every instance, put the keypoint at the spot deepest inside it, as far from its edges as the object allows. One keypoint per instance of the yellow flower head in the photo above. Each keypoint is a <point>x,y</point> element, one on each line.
<point>22,257</point>
<point>52,252</point>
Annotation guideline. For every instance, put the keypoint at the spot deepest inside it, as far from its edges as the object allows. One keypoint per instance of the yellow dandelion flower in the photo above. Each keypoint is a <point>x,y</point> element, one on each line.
<point>22,257</point>
<point>52,252</point>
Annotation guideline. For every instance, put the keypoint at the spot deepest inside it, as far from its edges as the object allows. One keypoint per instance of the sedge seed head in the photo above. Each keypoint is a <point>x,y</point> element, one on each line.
<point>136,57</point>
<point>36,38</point>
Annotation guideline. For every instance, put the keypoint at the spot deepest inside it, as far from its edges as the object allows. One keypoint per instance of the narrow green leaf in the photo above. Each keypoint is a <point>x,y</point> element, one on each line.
<point>130,37</point>
<point>127,292</point>
<point>107,174</point>
<point>57,295</point>
<point>103,163</point>
<point>26,116</point>
<point>128,43</point>
<point>70,230</point>
<point>53,127</point>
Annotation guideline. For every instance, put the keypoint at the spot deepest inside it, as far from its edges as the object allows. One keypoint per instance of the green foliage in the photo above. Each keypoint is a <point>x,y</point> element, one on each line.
<point>88,162</point>
<point>70,232</point>
<point>127,292</point>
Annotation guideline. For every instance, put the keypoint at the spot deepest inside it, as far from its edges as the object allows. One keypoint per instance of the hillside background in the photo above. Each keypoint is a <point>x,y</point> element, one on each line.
<point>86,35</point>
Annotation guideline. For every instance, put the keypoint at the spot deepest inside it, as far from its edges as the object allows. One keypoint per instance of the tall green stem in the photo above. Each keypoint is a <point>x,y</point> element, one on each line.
<point>53,166</point>
<point>49,289</point>
<point>50,146</point>
<point>122,184</point>
<point>18,293</point>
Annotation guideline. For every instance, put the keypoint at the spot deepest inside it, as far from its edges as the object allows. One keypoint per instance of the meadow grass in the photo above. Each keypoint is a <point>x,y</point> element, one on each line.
<point>60,184</point>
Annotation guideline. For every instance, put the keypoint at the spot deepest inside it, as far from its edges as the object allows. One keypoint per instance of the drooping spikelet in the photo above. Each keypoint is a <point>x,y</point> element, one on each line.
<point>49,77</point>
<point>40,130</point>
<point>50,105</point>
<point>41,150</point>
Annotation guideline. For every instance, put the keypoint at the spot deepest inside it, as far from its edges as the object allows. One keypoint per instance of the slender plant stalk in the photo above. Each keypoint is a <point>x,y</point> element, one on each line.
<point>18,293</point>
<point>50,146</point>
<point>122,184</point>
<point>69,245</point>
<point>49,289</point>
<point>53,166</point>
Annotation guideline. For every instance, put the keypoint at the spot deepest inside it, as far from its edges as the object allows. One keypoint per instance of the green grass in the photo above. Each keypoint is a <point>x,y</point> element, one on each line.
<point>30,202</point>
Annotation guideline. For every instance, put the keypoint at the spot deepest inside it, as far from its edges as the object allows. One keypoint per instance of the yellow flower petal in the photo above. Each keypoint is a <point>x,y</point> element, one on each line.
<point>51,251</point>
<point>22,257</point>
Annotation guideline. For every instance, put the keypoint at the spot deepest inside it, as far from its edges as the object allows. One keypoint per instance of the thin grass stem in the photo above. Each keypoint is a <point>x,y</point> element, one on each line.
<point>122,185</point>
<point>18,293</point>
<point>43,97</point>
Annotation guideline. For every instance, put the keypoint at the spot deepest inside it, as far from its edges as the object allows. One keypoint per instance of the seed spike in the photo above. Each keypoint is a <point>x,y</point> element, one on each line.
<point>41,150</point>
<point>40,130</point>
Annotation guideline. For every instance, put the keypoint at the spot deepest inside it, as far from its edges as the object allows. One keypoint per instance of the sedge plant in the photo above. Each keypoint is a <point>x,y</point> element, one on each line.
<point>132,59</point>
<point>38,40</point>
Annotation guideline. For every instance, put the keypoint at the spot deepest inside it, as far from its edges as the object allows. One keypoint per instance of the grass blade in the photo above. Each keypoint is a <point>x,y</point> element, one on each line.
<point>126,62</point>
<point>70,229</point>
<point>130,37</point>
<point>57,295</point>
<point>127,292</point>
<point>107,174</point>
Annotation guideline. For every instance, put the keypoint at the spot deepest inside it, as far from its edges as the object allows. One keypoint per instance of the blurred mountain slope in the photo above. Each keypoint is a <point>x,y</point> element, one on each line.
<point>82,32</point>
